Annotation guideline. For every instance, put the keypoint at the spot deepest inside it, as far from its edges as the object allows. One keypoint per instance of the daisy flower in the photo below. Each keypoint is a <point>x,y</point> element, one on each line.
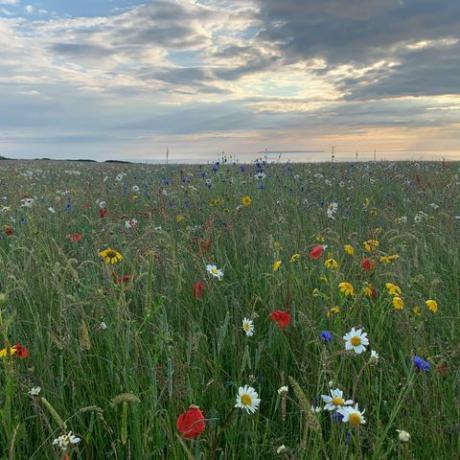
<point>247,399</point>
<point>248,327</point>
<point>352,415</point>
<point>65,440</point>
<point>111,256</point>
<point>214,271</point>
<point>356,340</point>
<point>336,400</point>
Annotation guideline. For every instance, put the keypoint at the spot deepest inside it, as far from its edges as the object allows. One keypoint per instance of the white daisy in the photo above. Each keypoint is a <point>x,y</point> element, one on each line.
<point>352,415</point>
<point>374,359</point>
<point>35,391</point>
<point>131,223</point>
<point>336,400</point>
<point>135,188</point>
<point>282,390</point>
<point>65,440</point>
<point>247,399</point>
<point>248,327</point>
<point>27,202</point>
<point>403,436</point>
<point>214,271</point>
<point>356,340</point>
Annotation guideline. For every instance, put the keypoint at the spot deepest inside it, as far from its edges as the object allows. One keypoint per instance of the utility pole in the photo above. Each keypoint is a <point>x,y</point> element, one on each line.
<point>167,155</point>
<point>333,153</point>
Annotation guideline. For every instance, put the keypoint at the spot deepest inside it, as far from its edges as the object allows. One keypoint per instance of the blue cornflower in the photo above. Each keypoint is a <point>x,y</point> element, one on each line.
<point>326,336</point>
<point>421,364</point>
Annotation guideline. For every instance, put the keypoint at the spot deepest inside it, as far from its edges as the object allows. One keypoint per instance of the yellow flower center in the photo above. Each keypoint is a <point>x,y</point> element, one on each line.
<point>111,254</point>
<point>246,327</point>
<point>355,419</point>
<point>246,400</point>
<point>338,401</point>
<point>355,341</point>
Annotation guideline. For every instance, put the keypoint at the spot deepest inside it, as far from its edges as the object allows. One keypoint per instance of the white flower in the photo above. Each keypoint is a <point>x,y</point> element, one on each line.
<point>316,409</point>
<point>356,340</point>
<point>374,359</point>
<point>434,205</point>
<point>208,182</point>
<point>352,415</point>
<point>52,210</point>
<point>331,210</point>
<point>65,440</point>
<point>119,177</point>
<point>281,449</point>
<point>102,326</point>
<point>131,223</point>
<point>247,399</point>
<point>35,391</point>
<point>102,204</point>
<point>335,400</point>
<point>135,188</point>
<point>214,271</point>
<point>27,202</point>
<point>403,436</point>
<point>282,390</point>
<point>248,327</point>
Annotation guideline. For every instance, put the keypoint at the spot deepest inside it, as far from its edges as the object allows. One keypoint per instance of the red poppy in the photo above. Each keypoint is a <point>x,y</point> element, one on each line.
<point>198,289</point>
<point>191,423</point>
<point>102,212</point>
<point>367,264</point>
<point>75,237</point>
<point>20,351</point>
<point>281,318</point>
<point>121,279</point>
<point>9,230</point>
<point>316,252</point>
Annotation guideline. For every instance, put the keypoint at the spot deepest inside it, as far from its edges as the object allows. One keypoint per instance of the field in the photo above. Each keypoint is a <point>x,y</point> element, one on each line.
<point>114,323</point>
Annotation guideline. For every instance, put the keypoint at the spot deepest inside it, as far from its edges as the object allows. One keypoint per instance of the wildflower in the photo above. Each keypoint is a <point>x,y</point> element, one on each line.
<point>283,390</point>
<point>214,271</point>
<point>370,245</point>
<point>417,311</point>
<point>403,436</point>
<point>369,290</point>
<point>352,415</point>
<point>135,188</point>
<point>356,340</point>
<point>346,289</point>
<point>367,264</point>
<point>102,212</point>
<point>317,251</point>
<point>9,230</point>
<point>35,391</point>
<point>335,400</point>
<point>421,364</point>
<point>388,259</point>
<point>331,264</point>
<point>179,218</point>
<point>393,289</point>
<point>432,305</point>
<point>66,440</point>
<point>247,399</point>
<point>281,449</point>
<point>131,223</point>
<point>276,265</point>
<point>350,250</point>
<point>374,359</point>
<point>326,336</point>
<point>191,423</point>
<point>198,289</point>
<point>246,201</point>
<point>27,202</point>
<point>281,318</point>
<point>20,351</point>
<point>102,326</point>
<point>111,256</point>
<point>75,237</point>
<point>398,303</point>
<point>295,257</point>
<point>121,279</point>
<point>248,327</point>
<point>332,210</point>
<point>333,311</point>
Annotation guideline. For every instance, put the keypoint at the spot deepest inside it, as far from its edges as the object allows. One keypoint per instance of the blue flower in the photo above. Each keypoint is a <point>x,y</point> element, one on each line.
<point>326,336</point>
<point>421,364</point>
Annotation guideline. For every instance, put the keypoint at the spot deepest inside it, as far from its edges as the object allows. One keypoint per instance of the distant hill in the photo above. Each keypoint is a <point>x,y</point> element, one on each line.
<point>118,161</point>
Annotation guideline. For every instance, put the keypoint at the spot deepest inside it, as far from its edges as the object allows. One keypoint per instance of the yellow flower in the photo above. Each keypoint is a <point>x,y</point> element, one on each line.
<point>316,292</point>
<point>276,265</point>
<point>320,238</point>
<point>393,289</point>
<point>277,246</point>
<point>349,249</point>
<point>246,201</point>
<point>387,259</point>
<point>416,311</point>
<point>216,202</point>
<point>331,263</point>
<point>432,305</point>
<point>346,289</point>
<point>180,218</point>
<point>111,256</point>
<point>333,311</point>
<point>323,278</point>
<point>370,245</point>
<point>295,257</point>
<point>398,303</point>
<point>367,290</point>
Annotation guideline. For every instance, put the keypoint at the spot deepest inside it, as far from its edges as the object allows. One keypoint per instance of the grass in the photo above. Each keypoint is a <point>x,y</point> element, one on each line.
<point>121,388</point>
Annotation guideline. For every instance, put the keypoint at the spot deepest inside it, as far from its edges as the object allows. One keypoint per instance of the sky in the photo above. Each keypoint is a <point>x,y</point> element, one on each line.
<point>127,79</point>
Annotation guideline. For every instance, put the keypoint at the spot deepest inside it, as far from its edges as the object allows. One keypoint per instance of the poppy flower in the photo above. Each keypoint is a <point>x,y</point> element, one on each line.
<point>8,230</point>
<point>20,351</point>
<point>317,251</point>
<point>102,212</point>
<point>121,279</point>
<point>198,289</point>
<point>367,264</point>
<point>191,423</point>
<point>281,318</point>
<point>75,237</point>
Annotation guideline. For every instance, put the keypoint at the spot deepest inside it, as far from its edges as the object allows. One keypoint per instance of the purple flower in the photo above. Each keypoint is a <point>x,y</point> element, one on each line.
<point>326,336</point>
<point>421,364</point>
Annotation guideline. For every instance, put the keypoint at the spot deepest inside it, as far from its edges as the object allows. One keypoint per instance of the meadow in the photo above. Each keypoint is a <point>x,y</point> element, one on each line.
<point>229,311</point>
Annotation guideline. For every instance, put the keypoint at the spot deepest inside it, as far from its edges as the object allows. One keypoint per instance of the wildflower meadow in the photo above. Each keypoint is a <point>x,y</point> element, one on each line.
<point>229,311</point>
